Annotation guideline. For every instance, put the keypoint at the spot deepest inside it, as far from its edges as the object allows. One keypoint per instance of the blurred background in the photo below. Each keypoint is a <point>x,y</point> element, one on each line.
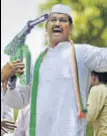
<point>89,24</point>
<point>90,20</point>
<point>14,16</point>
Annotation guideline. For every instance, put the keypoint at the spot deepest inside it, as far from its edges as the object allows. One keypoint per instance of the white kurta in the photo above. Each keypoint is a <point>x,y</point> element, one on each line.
<point>56,101</point>
<point>7,112</point>
<point>22,122</point>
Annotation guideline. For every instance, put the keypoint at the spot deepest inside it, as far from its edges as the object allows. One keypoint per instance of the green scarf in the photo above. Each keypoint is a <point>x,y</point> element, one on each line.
<point>32,130</point>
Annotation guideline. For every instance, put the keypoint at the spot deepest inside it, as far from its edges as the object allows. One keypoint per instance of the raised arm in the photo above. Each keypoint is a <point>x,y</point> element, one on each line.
<point>95,58</point>
<point>16,96</point>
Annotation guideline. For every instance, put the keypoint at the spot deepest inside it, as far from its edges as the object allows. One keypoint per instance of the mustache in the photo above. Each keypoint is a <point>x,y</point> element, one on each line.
<point>56,27</point>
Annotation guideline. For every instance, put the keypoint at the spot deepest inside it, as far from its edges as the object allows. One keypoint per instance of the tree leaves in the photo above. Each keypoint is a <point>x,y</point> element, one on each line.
<point>89,20</point>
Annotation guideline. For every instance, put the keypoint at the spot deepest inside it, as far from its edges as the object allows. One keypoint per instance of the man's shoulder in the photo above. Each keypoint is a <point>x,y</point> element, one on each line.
<point>81,49</point>
<point>82,45</point>
<point>101,88</point>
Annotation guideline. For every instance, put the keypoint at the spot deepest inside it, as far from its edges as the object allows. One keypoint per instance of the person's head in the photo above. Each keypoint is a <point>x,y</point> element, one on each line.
<point>98,78</point>
<point>59,24</point>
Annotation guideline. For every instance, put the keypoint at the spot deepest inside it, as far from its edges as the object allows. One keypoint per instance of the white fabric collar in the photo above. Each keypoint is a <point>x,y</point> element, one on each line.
<point>59,46</point>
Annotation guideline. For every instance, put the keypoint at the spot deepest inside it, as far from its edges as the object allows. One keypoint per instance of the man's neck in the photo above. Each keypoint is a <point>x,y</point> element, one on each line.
<point>54,44</point>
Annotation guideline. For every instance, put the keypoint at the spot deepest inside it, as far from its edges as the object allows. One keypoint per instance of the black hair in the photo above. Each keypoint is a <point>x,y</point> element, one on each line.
<point>70,20</point>
<point>102,76</point>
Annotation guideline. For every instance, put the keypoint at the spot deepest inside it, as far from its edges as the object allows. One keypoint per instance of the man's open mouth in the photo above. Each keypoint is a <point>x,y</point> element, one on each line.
<point>57,30</point>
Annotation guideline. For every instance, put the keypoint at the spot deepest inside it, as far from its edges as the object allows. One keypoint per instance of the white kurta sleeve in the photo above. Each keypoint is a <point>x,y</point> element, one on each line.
<point>95,58</point>
<point>18,97</point>
<point>6,112</point>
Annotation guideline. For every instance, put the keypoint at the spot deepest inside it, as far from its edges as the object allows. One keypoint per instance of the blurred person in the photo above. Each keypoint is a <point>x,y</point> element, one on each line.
<point>97,103</point>
<point>7,117</point>
<point>7,127</point>
<point>58,99</point>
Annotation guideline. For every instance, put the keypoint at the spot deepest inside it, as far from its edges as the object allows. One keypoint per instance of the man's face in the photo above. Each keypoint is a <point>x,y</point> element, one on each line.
<point>58,27</point>
<point>94,80</point>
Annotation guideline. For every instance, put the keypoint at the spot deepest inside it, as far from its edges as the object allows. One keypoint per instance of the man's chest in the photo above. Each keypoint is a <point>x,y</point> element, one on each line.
<point>55,65</point>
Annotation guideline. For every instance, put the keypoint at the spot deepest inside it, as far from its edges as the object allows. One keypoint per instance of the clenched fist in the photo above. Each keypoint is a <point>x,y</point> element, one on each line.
<point>10,69</point>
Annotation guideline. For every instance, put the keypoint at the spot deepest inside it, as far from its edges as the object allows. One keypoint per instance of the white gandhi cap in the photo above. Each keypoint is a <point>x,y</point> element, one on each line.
<point>60,8</point>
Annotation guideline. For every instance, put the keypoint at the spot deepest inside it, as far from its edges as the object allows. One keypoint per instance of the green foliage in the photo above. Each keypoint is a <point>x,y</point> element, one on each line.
<point>89,20</point>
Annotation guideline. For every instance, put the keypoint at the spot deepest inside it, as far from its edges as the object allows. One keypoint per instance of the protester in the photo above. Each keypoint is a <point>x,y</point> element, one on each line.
<point>58,105</point>
<point>7,117</point>
<point>97,103</point>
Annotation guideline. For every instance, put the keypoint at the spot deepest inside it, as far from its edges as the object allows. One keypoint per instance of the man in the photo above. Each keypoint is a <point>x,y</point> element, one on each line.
<point>6,114</point>
<point>97,103</point>
<point>55,101</point>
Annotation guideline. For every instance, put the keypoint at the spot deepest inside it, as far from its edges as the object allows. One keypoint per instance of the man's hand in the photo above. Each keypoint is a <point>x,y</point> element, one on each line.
<point>10,69</point>
<point>7,125</point>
